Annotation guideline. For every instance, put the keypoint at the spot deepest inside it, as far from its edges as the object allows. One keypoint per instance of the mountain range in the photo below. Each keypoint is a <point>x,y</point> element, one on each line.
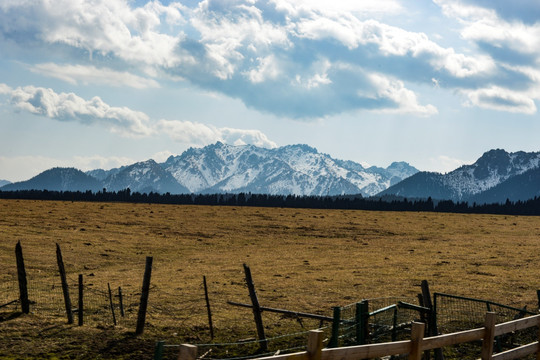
<point>221,168</point>
<point>301,170</point>
<point>496,176</point>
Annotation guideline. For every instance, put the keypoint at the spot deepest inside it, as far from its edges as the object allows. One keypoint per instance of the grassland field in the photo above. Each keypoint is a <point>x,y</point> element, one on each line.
<point>301,259</point>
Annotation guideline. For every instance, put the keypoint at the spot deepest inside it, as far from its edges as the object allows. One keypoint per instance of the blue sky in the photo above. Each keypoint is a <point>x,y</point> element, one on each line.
<point>104,83</point>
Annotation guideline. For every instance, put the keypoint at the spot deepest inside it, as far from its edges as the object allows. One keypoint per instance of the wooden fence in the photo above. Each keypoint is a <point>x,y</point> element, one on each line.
<point>413,347</point>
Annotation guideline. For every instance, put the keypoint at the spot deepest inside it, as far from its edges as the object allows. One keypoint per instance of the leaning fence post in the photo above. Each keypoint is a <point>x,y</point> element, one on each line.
<point>489,336</point>
<point>256,309</point>
<point>121,301</point>
<point>187,352</point>
<point>141,318</point>
<point>314,346</point>
<point>334,340</point>
<point>111,304</point>
<point>208,309</point>
<point>23,284</point>
<point>65,287</point>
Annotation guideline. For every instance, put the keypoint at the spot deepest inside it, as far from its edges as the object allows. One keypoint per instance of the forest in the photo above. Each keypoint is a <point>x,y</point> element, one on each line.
<point>389,203</point>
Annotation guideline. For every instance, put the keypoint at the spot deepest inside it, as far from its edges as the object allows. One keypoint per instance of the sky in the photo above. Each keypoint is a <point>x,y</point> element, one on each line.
<point>104,83</point>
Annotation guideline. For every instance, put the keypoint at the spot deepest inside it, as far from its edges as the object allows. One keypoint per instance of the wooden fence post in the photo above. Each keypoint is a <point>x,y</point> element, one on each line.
<point>315,344</point>
<point>111,304</point>
<point>362,322</point>
<point>432,317</point>
<point>208,309</point>
<point>358,322</point>
<point>334,340</point>
<point>158,351</point>
<point>417,336</point>
<point>187,352</point>
<point>23,283</point>
<point>80,312</point>
<point>489,336</point>
<point>141,318</point>
<point>256,309</point>
<point>65,287</point>
<point>121,301</point>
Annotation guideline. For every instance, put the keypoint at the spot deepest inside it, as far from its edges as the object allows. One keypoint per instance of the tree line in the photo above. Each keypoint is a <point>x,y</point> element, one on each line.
<point>347,202</point>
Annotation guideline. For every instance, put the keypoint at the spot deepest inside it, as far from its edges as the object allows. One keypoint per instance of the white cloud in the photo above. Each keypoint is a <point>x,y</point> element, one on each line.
<point>267,69</point>
<point>260,52</point>
<point>162,156</point>
<point>404,99</point>
<point>5,90</point>
<point>496,98</point>
<point>445,164</point>
<point>196,134</point>
<point>244,137</point>
<point>339,6</point>
<point>75,74</point>
<point>127,122</point>
<point>105,27</point>
<point>70,107</point>
<point>514,46</point>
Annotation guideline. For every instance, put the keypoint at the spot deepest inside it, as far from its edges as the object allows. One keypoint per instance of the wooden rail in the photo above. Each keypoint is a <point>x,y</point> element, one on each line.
<point>413,347</point>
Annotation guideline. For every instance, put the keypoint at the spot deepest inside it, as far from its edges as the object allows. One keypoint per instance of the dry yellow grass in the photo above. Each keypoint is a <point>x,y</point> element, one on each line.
<point>301,259</point>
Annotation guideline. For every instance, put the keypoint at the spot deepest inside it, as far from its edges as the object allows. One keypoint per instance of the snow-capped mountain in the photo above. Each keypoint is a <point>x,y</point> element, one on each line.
<point>493,168</point>
<point>57,179</point>
<point>220,168</point>
<point>4,182</point>
<point>293,169</point>
<point>146,176</point>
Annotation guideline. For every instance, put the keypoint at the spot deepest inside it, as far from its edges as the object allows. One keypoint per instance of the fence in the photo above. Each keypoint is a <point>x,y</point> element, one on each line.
<point>382,320</point>
<point>371,321</point>
<point>46,297</point>
<point>414,347</point>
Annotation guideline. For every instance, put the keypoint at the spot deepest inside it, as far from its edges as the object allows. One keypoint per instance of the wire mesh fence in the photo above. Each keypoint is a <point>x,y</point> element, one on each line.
<point>386,319</point>
<point>46,297</point>
<point>457,313</point>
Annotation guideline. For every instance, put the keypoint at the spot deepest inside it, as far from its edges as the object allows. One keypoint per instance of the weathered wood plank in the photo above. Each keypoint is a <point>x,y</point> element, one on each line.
<point>452,339</point>
<point>518,353</point>
<point>367,351</point>
<point>515,325</point>
<point>294,356</point>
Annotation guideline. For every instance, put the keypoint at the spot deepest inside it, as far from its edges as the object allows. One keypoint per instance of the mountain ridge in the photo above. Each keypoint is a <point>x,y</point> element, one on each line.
<point>219,168</point>
<point>468,182</point>
<point>292,169</point>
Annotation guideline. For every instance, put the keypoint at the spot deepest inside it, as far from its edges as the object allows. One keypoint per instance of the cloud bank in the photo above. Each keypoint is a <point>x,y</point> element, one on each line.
<point>127,122</point>
<point>300,59</point>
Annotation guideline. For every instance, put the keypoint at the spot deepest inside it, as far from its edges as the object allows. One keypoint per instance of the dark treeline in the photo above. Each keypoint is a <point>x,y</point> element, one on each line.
<point>528,207</point>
